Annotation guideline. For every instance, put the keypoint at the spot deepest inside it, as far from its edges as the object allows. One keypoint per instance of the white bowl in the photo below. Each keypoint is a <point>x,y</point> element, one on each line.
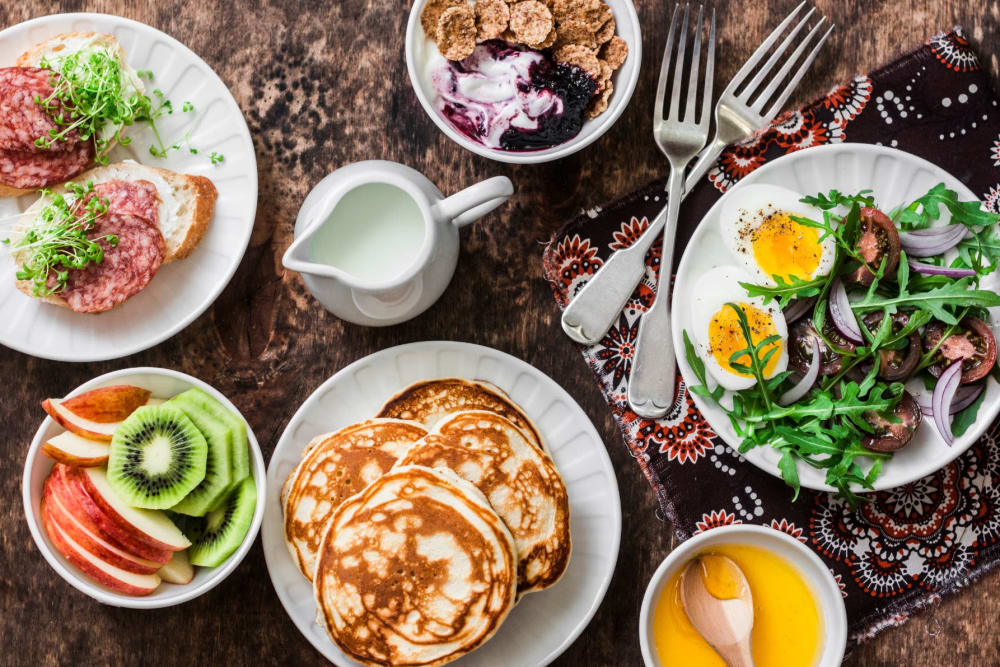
<point>802,558</point>
<point>624,79</point>
<point>164,384</point>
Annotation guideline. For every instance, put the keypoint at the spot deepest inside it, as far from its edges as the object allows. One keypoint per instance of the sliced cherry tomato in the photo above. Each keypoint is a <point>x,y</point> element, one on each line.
<point>972,342</point>
<point>892,436</point>
<point>878,239</point>
<point>800,349</point>
<point>895,365</point>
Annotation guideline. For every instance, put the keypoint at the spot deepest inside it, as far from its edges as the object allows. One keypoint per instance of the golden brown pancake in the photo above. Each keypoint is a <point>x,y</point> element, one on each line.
<point>429,401</point>
<point>521,483</point>
<point>334,467</point>
<point>417,569</point>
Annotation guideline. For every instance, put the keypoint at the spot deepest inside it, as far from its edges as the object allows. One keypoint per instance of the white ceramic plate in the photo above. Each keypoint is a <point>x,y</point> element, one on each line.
<point>625,79</point>
<point>543,624</point>
<point>164,383</point>
<point>896,177</point>
<point>181,290</point>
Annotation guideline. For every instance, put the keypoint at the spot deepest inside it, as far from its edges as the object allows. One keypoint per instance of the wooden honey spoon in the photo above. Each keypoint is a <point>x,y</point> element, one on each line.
<point>718,602</point>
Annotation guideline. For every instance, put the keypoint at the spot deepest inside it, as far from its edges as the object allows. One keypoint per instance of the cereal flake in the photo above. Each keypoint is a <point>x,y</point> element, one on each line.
<point>582,57</point>
<point>456,32</point>
<point>432,14</point>
<point>615,52</point>
<point>531,21</point>
<point>492,18</point>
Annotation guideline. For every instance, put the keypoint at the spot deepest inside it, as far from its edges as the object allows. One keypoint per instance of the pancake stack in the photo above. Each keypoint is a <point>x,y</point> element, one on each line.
<point>422,527</point>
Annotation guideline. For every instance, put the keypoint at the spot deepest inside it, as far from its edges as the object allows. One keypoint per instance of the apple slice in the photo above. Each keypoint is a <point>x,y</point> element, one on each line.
<point>75,499</point>
<point>82,427</point>
<point>107,405</point>
<point>152,526</point>
<point>91,542</point>
<point>71,449</point>
<point>178,570</point>
<point>114,578</point>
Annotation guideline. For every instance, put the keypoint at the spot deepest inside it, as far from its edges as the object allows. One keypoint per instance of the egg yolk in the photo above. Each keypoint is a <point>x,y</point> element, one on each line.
<point>783,247</point>
<point>726,338</point>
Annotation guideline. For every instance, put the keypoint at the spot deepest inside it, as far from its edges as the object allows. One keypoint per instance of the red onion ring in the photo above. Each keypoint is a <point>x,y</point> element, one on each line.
<point>803,386</point>
<point>842,315</point>
<point>931,270</point>
<point>930,242</point>
<point>944,394</point>
<point>965,396</point>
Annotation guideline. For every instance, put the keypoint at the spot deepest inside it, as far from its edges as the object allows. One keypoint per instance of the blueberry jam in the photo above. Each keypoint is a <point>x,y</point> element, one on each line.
<point>512,98</point>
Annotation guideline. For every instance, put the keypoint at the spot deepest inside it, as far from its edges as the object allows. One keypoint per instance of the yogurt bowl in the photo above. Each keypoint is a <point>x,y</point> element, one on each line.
<point>787,555</point>
<point>510,71</point>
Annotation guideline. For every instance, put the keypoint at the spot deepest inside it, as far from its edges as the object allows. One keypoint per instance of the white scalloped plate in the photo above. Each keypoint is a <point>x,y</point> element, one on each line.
<point>543,624</point>
<point>895,177</point>
<point>181,290</point>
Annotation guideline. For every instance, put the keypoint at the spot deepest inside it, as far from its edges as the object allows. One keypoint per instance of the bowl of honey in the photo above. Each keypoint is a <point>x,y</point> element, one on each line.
<point>799,619</point>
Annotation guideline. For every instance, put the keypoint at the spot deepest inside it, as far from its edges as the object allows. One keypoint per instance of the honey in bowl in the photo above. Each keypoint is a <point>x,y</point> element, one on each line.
<point>787,627</point>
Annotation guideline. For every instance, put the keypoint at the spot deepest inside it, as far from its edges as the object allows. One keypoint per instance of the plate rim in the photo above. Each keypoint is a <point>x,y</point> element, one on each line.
<point>211,295</point>
<point>434,346</point>
<point>754,456</point>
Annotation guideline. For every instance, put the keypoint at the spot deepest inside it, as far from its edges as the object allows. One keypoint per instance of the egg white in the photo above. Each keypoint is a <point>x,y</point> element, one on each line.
<point>747,208</point>
<point>713,290</point>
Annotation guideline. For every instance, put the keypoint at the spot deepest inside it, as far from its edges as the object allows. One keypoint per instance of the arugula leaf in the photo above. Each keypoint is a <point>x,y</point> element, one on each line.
<point>836,198</point>
<point>967,417</point>
<point>969,213</point>
<point>936,300</point>
<point>698,366</point>
<point>789,472</point>
<point>786,290</point>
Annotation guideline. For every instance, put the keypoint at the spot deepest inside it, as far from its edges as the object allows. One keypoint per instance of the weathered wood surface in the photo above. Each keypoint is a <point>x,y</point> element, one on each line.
<point>323,84</point>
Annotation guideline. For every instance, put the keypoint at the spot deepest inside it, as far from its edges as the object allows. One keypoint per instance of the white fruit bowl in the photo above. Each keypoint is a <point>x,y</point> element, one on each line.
<point>164,384</point>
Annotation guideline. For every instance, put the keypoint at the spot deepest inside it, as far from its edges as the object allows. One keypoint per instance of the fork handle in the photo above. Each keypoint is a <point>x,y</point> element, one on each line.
<point>596,307</point>
<point>706,159</point>
<point>651,384</point>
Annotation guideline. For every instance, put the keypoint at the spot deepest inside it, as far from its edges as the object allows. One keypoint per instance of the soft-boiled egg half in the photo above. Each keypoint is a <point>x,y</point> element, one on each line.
<point>717,332</point>
<point>758,229</point>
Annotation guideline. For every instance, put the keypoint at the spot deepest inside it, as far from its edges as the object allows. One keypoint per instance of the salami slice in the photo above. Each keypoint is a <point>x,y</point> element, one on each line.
<point>27,171</point>
<point>22,119</point>
<point>128,266</point>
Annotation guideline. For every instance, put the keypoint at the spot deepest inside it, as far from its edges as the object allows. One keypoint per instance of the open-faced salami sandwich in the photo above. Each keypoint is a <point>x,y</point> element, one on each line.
<point>63,106</point>
<point>91,244</point>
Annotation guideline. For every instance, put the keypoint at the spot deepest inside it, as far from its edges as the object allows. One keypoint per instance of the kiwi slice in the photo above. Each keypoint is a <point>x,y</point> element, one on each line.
<point>240,455</point>
<point>157,457</point>
<point>218,468</point>
<point>222,531</point>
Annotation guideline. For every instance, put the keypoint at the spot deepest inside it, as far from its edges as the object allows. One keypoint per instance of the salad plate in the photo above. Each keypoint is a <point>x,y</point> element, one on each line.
<point>543,624</point>
<point>207,119</point>
<point>895,178</point>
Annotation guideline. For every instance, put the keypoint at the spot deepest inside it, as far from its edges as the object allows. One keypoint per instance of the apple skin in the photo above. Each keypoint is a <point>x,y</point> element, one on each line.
<point>91,542</point>
<point>73,496</point>
<point>179,570</point>
<point>99,571</point>
<point>88,453</point>
<point>89,478</point>
<point>75,424</point>
<point>107,405</point>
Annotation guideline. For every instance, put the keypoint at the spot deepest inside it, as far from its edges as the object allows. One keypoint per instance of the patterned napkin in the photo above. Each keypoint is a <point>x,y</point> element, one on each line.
<point>913,544</point>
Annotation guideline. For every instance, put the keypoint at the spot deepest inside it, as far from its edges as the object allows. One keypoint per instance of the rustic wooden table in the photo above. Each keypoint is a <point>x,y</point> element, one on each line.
<point>324,84</point>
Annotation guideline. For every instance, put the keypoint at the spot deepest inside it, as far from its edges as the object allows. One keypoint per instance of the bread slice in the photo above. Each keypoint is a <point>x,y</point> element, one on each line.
<point>187,203</point>
<point>68,43</point>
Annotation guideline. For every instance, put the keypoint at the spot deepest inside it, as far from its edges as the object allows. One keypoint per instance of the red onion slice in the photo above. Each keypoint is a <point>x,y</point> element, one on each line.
<point>944,394</point>
<point>803,386</point>
<point>842,315</point>
<point>965,396</point>
<point>931,270</point>
<point>797,308</point>
<point>930,242</point>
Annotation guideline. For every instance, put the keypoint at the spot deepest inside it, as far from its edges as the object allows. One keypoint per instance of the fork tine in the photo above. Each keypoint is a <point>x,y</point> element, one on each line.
<point>668,51</point>
<point>773,60</point>
<point>674,112</point>
<point>762,50</point>
<point>693,82</point>
<point>780,102</point>
<point>706,104</point>
<point>778,78</point>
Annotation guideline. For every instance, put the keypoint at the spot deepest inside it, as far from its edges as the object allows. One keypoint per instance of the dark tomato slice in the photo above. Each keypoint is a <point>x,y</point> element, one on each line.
<point>800,349</point>
<point>877,239</point>
<point>892,436</point>
<point>895,365</point>
<point>972,342</point>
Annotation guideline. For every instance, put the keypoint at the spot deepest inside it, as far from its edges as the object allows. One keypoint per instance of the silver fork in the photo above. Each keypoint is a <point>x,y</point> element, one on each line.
<point>596,308</point>
<point>680,135</point>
